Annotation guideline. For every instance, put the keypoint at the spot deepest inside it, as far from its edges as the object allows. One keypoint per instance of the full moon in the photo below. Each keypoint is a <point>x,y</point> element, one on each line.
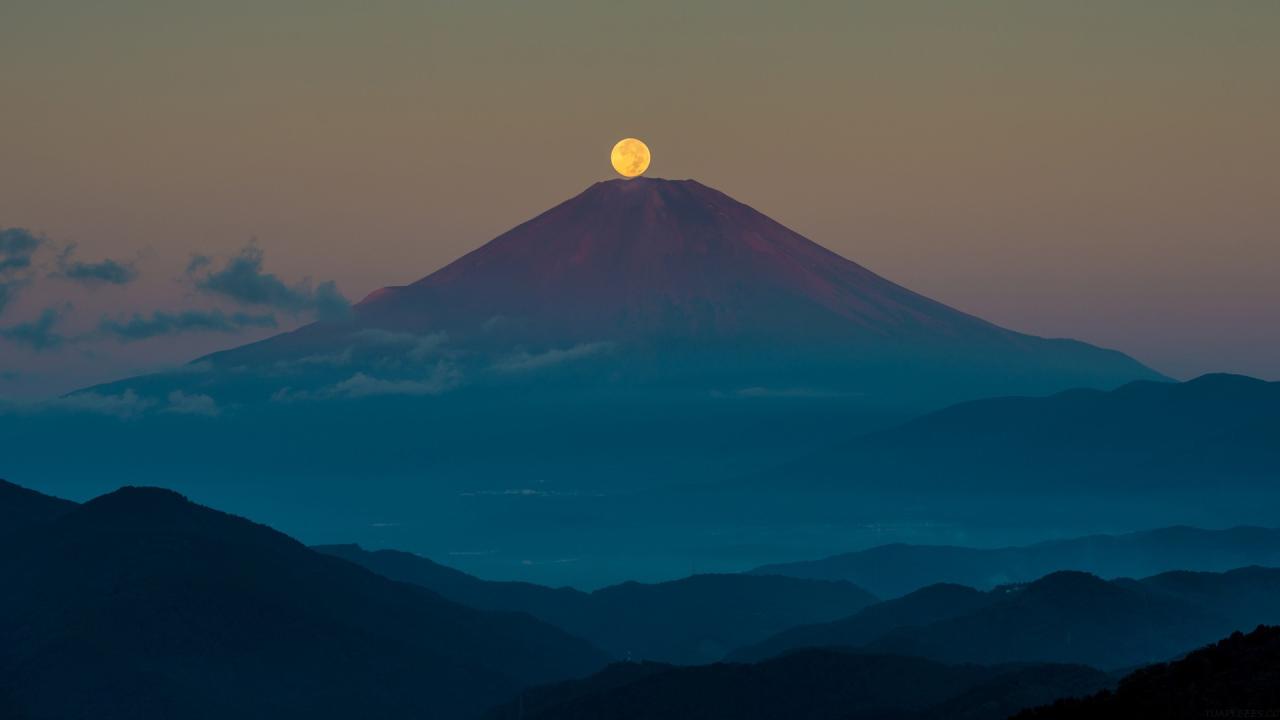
<point>630,157</point>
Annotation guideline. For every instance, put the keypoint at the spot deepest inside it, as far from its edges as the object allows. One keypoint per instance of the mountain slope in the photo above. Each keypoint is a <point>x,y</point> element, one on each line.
<point>141,604</point>
<point>1067,617</point>
<point>1141,435</point>
<point>812,684</point>
<point>892,570</point>
<point>667,284</point>
<point>693,620</point>
<point>1235,677</point>
<point>21,508</point>
<point>927,605</point>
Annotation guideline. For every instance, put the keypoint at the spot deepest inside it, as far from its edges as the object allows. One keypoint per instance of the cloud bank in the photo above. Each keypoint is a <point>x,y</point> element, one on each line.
<point>160,323</point>
<point>17,247</point>
<point>242,279</point>
<point>108,271</point>
<point>38,334</point>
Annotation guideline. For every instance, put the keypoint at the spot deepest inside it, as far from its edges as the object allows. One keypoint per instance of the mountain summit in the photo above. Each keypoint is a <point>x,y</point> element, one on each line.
<point>672,283</point>
<point>664,258</point>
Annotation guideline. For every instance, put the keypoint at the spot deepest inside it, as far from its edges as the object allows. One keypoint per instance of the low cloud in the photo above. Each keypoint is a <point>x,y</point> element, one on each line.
<point>534,361</point>
<point>17,247</point>
<point>183,404</point>
<point>38,334</point>
<point>413,347</point>
<point>160,323</point>
<point>443,378</point>
<point>242,279</point>
<point>123,405</point>
<point>108,271</point>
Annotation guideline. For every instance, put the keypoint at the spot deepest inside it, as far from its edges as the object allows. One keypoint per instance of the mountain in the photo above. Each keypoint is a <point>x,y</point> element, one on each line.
<point>1066,617</point>
<point>1220,429</point>
<point>893,570</point>
<point>671,284</point>
<point>21,508</point>
<point>1235,677</point>
<point>922,607</point>
<point>141,604</point>
<point>642,334</point>
<point>812,684</point>
<point>693,620</point>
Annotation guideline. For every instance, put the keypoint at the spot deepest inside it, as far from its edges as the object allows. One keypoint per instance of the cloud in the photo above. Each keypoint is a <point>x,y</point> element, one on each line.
<point>17,246</point>
<point>123,405</point>
<point>184,404</point>
<point>38,334</point>
<point>443,378</point>
<point>8,290</point>
<point>527,361</point>
<point>415,347</point>
<point>786,392</point>
<point>160,323</point>
<point>106,271</point>
<point>242,279</point>
<point>361,385</point>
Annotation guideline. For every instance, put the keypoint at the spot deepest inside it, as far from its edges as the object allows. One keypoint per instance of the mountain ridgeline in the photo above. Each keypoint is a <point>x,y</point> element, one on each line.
<point>1065,617</point>
<point>1219,429</point>
<point>141,604</point>
<point>897,569</point>
<point>697,619</point>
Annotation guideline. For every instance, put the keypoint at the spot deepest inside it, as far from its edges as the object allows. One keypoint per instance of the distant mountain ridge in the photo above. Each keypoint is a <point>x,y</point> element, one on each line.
<point>692,620</point>
<point>1066,617</point>
<point>1142,435</point>
<point>893,570</point>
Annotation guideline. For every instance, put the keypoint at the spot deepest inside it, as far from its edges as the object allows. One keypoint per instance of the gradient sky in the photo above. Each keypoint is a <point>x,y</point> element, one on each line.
<point>1108,171</point>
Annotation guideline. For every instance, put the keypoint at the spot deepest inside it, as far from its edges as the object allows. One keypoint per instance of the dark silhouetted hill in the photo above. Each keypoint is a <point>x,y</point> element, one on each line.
<point>892,570</point>
<point>22,508</point>
<point>693,620</point>
<point>811,684</point>
<point>140,604</point>
<point>1238,677</point>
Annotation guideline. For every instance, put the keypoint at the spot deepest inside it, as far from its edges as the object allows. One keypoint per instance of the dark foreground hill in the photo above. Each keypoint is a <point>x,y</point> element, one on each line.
<point>892,570</point>
<point>140,604</point>
<point>811,684</point>
<point>694,620</point>
<point>1238,677</point>
<point>1066,617</point>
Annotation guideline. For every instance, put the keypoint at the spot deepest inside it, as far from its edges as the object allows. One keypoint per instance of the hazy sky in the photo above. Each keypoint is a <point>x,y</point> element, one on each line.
<point>1108,171</point>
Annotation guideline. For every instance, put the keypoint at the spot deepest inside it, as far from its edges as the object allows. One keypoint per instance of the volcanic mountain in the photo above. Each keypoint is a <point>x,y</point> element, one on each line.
<point>670,284</point>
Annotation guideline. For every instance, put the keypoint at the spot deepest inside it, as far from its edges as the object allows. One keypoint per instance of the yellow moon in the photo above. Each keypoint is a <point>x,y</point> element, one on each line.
<point>630,157</point>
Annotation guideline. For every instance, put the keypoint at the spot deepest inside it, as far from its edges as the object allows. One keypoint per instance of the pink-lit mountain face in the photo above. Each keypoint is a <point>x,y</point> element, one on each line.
<point>645,258</point>
<point>666,284</point>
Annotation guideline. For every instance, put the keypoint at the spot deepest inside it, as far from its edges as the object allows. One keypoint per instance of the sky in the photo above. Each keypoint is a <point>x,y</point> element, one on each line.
<point>1107,171</point>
